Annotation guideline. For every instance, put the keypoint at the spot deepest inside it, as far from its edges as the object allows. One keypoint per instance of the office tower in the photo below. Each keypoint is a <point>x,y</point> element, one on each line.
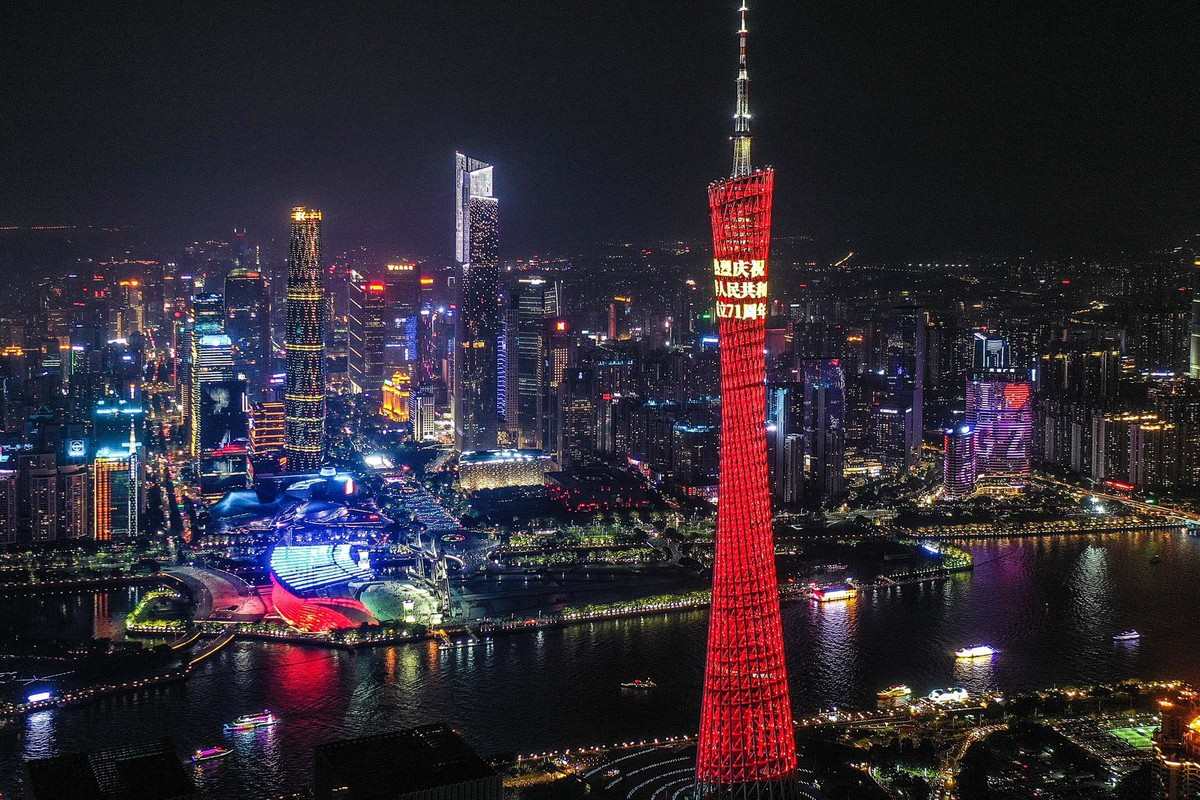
<point>248,324</point>
<point>208,308</point>
<point>904,361</point>
<point>422,414</point>
<point>1194,331</point>
<point>212,363</point>
<point>576,419</point>
<point>991,352</point>
<point>1000,412</point>
<point>116,490</point>
<point>958,462</point>
<point>824,431</point>
<point>537,300</point>
<point>304,398</point>
<point>8,506</point>
<point>746,745</point>
<point>476,250</point>
<point>694,457</point>
<point>785,443</point>
<point>365,327</point>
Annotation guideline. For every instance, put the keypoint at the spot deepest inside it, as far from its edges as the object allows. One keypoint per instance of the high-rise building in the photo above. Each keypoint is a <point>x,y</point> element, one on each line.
<point>116,491</point>
<point>576,419</point>
<point>785,442</point>
<point>476,249</point>
<point>824,431</point>
<point>958,462</point>
<point>304,397</point>
<point>1177,747</point>
<point>248,324</point>
<point>1000,412</point>
<point>396,393</point>
<point>365,325</point>
<point>746,746</point>
<point>212,363</point>
<point>8,506</point>
<point>991,352</point>
<point>1194,332</point>
<point>537,300</point>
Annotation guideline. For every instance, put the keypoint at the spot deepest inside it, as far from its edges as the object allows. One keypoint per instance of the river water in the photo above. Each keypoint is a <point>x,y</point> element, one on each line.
<point>1050,605</point>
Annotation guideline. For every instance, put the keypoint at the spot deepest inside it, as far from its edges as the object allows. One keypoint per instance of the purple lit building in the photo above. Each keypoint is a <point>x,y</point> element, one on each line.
<point>1000,412</point>
<point>958,476</point>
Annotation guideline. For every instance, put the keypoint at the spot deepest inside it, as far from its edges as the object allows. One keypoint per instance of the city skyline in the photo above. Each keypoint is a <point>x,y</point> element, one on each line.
<point>477,473</point>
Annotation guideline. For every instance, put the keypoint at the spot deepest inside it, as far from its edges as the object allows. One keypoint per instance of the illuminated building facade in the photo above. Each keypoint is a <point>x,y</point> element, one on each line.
<point>304,397</point>
<point>576,419</point>
<point>499,469</point>
<point>1194,331</point>
<point>746,745</point>
<point>958,462</point>
<point>537,300</point>
<point>824,431</point>
<point>267,437</point>
<point>248,324</point>
<point>1177,747</point>
<point>313,586</point>
<point>1000,412</point>
<point>365,325</point>
<point>8,506</point>
<point>785,442</point>
<point>116,494</point>
<point>476,211</point>
<point>212,362</point>
<point>397,391</point>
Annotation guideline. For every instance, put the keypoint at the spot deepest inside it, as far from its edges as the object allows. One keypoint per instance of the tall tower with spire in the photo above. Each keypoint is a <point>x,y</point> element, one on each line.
<point>747,747</point>
<point>741,116</point>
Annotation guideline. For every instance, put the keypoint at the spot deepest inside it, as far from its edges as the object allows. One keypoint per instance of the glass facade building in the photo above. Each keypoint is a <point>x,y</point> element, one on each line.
<point>304,396</point>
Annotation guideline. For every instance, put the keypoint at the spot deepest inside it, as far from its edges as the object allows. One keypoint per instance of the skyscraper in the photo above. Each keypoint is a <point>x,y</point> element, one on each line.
<point>365,352</point>
<point>1000,412</point>
<point>475,249</point>
<point>248,324</point>
<point>958,465</point>
<point>304,397</point>
<point>824,431</point>
<point>212,363</point>
<point>747,746</point>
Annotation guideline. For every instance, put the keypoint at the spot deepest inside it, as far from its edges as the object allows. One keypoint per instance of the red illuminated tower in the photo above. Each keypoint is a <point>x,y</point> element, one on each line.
<point>747,745</point>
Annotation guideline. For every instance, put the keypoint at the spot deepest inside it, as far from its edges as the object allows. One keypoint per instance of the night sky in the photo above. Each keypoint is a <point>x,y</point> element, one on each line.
<point>905,129</point>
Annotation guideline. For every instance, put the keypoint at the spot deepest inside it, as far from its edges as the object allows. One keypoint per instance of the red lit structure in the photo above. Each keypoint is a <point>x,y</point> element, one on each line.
<point>747,745</point>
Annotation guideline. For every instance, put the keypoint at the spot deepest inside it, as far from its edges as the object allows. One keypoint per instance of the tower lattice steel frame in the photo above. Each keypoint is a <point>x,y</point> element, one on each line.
<point>747,743</point>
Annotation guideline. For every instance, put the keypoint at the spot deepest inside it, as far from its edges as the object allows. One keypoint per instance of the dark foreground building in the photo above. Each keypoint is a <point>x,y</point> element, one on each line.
<point>147,771</point>
<point>431,762</point>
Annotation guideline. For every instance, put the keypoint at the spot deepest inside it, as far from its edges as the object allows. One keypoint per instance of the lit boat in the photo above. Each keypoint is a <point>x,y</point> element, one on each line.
<point>209,753</point>
<point>978,651</point>
<point>894,692</point>
<point>639,683</point>
<point>249,722</point>
<point>1127,636</point>
<point>830,594</point>
<point>946,696</point>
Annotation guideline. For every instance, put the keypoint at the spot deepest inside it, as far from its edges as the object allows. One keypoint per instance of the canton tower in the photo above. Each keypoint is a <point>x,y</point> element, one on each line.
<point>747,745</point>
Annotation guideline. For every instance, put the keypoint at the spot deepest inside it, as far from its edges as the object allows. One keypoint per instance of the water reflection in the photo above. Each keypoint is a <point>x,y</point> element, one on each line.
<point>1050,607</point>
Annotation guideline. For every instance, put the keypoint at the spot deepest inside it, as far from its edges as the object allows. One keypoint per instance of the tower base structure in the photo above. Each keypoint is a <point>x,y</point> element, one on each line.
<point>782,789</point>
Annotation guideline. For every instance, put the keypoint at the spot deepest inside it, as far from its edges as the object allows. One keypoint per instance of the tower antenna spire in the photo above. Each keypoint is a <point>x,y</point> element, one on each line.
<point>741,116</point>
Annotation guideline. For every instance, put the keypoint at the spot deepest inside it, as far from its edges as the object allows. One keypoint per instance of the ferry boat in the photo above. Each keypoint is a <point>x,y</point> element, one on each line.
<point>834,593</point>
<point>639,683</point>
<point>209,753</point>
<point>977,651</point>
<point>1127,636</point>
<point>248,722</point>
<point>894,692</point>
<point>946,696</point>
